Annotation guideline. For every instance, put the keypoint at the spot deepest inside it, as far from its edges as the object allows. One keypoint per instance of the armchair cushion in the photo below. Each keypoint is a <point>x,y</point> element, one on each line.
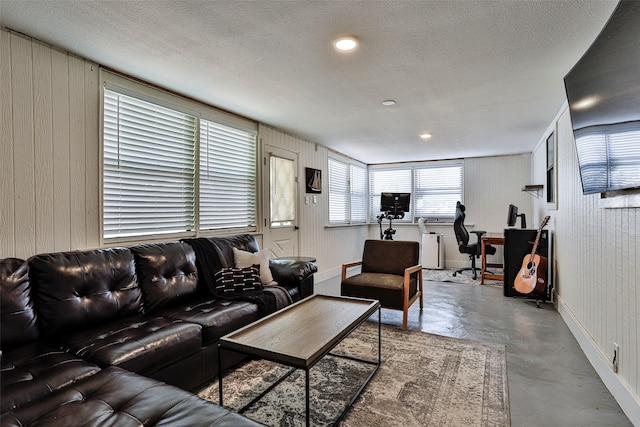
<point>386,288</point>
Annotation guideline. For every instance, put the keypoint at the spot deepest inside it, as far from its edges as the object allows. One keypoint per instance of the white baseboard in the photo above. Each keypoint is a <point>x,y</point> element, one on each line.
<point>600,363</point>
<point>328,274</point>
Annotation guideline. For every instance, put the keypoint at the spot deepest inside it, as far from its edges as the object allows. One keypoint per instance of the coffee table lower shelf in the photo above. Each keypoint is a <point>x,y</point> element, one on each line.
<point>227,343</point>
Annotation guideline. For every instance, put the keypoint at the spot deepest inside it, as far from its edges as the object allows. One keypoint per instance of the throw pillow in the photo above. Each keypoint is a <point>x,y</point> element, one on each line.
<point>236,280</point>
<point>247,259</point>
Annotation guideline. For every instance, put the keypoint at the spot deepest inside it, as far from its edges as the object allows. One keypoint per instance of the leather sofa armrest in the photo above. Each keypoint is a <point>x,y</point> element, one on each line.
<point>292,273</point>
<point>286,271</point>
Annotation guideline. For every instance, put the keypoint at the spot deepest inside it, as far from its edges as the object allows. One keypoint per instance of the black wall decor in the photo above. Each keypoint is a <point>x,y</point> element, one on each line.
<point>313,180</point>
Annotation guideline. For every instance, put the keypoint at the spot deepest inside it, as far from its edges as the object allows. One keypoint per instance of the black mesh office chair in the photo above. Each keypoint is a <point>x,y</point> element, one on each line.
<point>462,237</point>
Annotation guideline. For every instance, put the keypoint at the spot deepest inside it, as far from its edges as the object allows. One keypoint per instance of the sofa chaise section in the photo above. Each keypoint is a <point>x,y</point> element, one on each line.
<point>30,369</point>
<point>115,397</point>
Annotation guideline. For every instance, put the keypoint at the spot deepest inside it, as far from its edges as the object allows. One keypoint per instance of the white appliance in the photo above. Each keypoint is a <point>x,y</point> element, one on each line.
<point>433,251</point>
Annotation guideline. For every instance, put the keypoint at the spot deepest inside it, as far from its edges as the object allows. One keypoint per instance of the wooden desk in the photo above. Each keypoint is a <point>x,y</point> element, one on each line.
<point>490,240</point>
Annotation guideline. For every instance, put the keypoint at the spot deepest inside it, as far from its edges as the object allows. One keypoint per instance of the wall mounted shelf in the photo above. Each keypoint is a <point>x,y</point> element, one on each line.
<point>534,189</point>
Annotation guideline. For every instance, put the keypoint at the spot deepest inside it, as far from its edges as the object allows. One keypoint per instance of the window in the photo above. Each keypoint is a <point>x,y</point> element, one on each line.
<point>227,177</point>
<point>338,192</point>
<point>551,174</point>
<point>358,194</point>
<point>149,152</point>
<point>172,167</point>
<point>282,178</point>
<point>388,181</point>
<point>435,188</point>
<point>347,193</point>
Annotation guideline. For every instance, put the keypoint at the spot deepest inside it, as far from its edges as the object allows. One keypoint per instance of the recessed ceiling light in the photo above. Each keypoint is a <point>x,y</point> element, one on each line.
<point>346,44</point>
<point>425,135</point>
<point>388,102</point>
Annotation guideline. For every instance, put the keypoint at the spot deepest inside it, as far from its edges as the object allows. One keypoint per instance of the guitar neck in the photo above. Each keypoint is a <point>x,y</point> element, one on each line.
<point>535,244</point>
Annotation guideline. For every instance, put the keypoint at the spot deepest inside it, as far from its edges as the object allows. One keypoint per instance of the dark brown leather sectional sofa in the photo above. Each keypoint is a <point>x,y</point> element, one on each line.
<point>118,336</point>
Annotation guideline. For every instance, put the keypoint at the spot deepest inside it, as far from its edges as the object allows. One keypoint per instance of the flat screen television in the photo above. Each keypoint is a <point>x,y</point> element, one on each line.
<point>512,217</point>
<point>395,203</point>
<point>603,90</point>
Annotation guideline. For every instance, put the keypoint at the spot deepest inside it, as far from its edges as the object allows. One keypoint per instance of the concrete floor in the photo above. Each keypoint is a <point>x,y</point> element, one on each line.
<point>551,382</point>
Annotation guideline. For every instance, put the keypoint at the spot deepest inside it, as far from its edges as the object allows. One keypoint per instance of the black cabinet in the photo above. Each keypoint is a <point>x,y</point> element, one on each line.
<point>517,244</point>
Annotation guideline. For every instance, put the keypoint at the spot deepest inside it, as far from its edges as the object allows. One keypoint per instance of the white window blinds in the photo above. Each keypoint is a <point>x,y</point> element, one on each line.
<point>227,194</point>
<point>358,194</point>
<point>149,157</point>
<point>338,192</point>
<point>347,193</point>
<point>436,190</point>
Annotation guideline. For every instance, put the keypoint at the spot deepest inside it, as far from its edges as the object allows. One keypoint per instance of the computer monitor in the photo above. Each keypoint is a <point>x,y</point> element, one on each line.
<point>395,203</point>
<point>513,215</point>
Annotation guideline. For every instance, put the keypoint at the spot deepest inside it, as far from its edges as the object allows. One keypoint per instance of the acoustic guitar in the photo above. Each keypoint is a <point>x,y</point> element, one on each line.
<point>531,276</point>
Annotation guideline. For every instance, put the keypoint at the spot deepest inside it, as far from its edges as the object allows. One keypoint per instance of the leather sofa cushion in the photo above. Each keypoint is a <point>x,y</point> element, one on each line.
<point>217,317</point>
<point>114,397</point>
<point>77,290</point>
<point>35,370</point>
<point>167,273</point>
<point>17,316</point>
<point>139,343</point>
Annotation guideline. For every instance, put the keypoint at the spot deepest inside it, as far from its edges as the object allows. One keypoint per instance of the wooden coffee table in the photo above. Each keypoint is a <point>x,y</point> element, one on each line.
<point>300,335</point>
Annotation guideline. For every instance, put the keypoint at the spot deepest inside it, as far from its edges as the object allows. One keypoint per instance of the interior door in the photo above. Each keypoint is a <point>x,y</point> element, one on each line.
<point>281,206</point>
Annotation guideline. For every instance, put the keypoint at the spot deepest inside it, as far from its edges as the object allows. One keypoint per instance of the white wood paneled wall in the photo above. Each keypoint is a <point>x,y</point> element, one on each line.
<point>49,160</point>
<point>597,270</point>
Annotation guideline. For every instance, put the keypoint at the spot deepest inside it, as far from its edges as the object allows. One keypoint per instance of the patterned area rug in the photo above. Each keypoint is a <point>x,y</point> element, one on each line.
<point>462,277</point>
<point>424,380</point>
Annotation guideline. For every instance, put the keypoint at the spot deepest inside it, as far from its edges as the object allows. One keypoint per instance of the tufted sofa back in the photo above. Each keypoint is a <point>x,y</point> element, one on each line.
<point>75,290</point>
<point>17,315</point>
<point>166,272</point>
<point>225,245</point>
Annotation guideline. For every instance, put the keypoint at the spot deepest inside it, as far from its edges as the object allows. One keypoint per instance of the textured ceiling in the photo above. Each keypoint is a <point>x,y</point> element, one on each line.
<point>485,77</point>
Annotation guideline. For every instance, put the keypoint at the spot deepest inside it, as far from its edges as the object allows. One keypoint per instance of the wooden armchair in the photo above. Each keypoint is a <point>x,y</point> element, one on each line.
<point>390,274</point>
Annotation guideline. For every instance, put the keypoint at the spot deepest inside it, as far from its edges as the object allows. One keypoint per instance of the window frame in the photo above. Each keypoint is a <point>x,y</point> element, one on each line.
<point>200,111</point>
<point>412,168</point>
<point>348,192</point>
<point>250,184</point>
<point>551,170</point>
